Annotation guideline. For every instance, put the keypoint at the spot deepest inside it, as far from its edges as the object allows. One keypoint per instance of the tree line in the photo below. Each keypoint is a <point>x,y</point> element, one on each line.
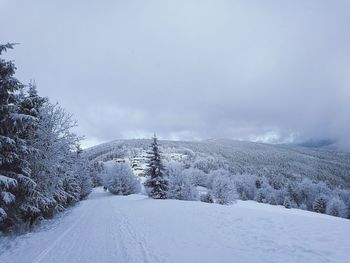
<point>184,181</point>
<point>167,181</point>
<point>42,169</point>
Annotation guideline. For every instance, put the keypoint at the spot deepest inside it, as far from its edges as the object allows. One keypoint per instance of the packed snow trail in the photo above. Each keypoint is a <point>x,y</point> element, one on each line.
<point>107,228</point>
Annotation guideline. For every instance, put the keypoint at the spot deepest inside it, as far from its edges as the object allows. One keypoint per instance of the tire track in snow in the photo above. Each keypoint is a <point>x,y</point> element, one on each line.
<point>45,252</point>
<point>113,225</point>
<point>127,231</point>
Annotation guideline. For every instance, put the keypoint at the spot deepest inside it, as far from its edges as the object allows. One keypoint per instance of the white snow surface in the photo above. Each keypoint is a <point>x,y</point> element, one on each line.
<point>108,228</point>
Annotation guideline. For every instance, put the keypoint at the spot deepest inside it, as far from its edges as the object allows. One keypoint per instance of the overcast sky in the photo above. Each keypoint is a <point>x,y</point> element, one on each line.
<point>274,71</point>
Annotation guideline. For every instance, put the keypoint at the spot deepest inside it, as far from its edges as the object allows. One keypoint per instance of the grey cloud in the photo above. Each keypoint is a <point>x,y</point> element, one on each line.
<point>272,70</point>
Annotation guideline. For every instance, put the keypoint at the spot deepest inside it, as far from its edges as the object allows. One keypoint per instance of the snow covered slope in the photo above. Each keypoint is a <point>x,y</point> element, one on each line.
<point>107,228</point>
<point>240,157</point>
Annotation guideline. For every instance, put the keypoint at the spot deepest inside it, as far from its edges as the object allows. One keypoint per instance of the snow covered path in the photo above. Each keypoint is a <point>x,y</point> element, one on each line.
<point>107,228</point>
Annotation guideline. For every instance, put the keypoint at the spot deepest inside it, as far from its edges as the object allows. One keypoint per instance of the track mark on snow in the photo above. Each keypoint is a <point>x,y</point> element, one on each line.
<point>46,251</point>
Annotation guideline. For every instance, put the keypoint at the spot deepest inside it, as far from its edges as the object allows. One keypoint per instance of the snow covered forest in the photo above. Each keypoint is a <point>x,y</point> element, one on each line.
<point>314,179</point>
<point>42,169</point>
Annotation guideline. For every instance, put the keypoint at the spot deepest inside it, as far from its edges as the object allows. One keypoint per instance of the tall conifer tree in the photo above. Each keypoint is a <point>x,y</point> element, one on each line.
<point>15,183</point>
<point>157,183</point>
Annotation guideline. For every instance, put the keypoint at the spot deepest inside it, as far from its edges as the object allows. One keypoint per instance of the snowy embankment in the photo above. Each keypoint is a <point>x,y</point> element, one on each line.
<point>108,228</point>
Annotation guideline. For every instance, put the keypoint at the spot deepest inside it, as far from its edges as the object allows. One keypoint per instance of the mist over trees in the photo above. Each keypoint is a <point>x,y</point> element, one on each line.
<point>42,170</point>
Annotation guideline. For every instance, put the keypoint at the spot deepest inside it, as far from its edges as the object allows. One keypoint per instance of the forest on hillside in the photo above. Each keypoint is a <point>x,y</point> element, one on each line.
<point>289,175</point>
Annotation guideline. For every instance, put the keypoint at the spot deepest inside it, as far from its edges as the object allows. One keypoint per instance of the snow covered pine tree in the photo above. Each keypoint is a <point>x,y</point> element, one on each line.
<point>320,204</point>
<point>157,183</point>
<point>17,189</point>
<point>42,170</point>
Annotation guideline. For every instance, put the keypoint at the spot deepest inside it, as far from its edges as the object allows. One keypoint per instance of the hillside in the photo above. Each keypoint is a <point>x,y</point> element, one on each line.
<point>240,157</point>
<point>108,228</point>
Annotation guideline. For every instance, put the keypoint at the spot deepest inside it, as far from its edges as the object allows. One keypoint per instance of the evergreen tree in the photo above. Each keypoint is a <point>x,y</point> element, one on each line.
<point>320,204</point>
<point>260,196</point>
<point>42,170</point>
<point>16,186</point>
<point>287,203</point>
<point>258,184</point>
<point>294,198</point>
<point>207,198</point>
<point>31,102</point>
<point>157,183</point>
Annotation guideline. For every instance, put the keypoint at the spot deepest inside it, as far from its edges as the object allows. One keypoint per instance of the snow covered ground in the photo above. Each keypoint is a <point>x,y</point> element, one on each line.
<point>107,228</point>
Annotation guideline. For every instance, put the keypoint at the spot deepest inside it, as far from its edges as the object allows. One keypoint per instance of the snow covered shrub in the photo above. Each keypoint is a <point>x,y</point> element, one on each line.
<point>276,181</point>
<point>244,196</point>
<point>303,206</point>
<point>120,180</point>
<point>206,198</point>
<point>287,203</point>
<point>272,199</point>
<point>180,184</point>
<point>260,196</point>
<point>280,195</point>
<point>224,190</point>
<point>245,186</point>
<point>85,185</point>
<point>307,192</point>
<point>71,188</point>
<point>266,194</point>
<point>174,168</point>
<point>336,207</point>
<point>320,204</point>
<point>214,174</point>
<point>95,170</point>
<point>343,194</point>
<point>199,177</point>
<point>293,193</point>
